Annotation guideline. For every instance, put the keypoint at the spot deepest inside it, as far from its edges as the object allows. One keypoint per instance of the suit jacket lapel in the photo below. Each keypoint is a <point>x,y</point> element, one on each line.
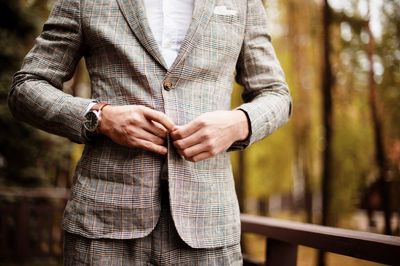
<point>135,14</point>
<point>202,12</point>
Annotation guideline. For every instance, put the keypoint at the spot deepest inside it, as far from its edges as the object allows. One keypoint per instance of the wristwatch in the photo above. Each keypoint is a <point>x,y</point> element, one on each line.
<point>93,117</point>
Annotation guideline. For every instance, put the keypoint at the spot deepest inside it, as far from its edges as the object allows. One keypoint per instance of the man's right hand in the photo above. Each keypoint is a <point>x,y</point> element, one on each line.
<point>136,126</point>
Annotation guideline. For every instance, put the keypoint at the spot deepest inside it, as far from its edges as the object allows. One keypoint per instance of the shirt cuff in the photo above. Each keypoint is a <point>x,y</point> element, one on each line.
<point>90,106</point>
<point>242,144</point>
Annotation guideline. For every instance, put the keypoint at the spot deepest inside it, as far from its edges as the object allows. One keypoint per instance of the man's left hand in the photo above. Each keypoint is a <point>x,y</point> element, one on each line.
<point>209,134</point>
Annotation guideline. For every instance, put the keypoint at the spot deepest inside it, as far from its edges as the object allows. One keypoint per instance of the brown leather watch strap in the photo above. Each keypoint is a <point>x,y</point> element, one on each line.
<point>99,106</point>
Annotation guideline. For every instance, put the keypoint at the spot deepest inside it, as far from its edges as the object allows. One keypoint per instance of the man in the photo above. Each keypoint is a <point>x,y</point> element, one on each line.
<point>154,184</point>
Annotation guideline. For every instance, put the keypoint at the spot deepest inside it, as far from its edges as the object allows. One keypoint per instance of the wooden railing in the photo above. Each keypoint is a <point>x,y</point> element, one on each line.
<point>30,222</point>
<point>284,237</point>
<point>30,225</point>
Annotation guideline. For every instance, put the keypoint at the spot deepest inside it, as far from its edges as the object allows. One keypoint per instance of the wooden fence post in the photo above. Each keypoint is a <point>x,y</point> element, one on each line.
<point>22,228</point>
<point>280,253</point>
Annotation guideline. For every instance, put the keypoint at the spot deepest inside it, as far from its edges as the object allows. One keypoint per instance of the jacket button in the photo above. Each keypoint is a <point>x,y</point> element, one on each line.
<point>167,85</point>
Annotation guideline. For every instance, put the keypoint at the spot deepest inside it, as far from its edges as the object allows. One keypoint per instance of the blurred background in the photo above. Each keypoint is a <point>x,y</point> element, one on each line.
<point>336,163</point>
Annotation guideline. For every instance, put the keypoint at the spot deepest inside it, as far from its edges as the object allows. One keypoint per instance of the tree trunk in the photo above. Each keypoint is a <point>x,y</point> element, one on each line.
<point>378,134</point>
<point>297,14</point>
<point>327,84</point>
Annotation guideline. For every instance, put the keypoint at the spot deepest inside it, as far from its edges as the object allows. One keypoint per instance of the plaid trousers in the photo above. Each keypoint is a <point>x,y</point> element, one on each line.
<point>162,247</point>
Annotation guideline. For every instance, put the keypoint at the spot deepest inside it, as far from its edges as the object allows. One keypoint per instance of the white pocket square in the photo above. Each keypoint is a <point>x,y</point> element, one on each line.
<point>222,10</point>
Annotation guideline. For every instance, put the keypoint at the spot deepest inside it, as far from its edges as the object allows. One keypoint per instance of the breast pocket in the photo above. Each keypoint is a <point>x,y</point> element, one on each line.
<point>230,23</point>
<point>225,33</point>
<point>232,18</point>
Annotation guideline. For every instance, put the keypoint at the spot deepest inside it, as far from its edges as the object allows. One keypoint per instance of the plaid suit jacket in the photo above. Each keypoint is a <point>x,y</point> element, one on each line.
<point>116,189</point>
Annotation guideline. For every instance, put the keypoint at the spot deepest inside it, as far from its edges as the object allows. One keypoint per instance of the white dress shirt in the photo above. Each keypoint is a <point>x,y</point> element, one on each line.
<point>169,21</point>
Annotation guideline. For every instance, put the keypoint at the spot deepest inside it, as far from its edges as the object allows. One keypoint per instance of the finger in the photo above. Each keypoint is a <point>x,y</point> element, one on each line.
<point>150,146</point>
<point>186,130</point>
<point>201,157</point>
<point>156,129</point>
<point>160,118</point>
<point>148,136</point>
<point>189,141</point>
<point>194,150</point>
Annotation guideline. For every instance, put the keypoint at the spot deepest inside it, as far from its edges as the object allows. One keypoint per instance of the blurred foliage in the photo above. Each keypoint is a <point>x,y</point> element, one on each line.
<point>354,162</point>
<point>389,49</point>
<point>28,157</point>
<point>274,166</point>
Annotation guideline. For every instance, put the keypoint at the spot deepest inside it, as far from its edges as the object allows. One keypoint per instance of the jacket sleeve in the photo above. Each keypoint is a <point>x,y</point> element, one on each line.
<point>36,95</point>
<point>266,97</point>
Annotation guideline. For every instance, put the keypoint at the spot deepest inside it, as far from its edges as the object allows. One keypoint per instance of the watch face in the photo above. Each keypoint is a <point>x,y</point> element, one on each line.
<point>91,122</point>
